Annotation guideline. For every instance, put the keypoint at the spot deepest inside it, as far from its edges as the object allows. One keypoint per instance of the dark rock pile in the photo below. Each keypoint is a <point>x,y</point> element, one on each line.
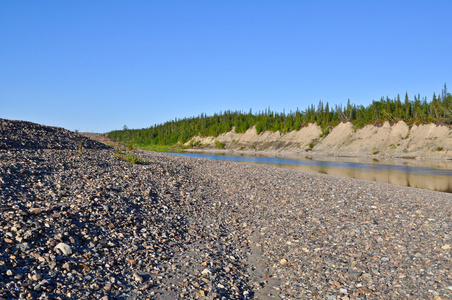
<point>27,135</point>
<point>80,223</point>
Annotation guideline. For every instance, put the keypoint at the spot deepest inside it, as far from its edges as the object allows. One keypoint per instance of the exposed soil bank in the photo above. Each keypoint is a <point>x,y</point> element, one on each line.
<point>428,141</point>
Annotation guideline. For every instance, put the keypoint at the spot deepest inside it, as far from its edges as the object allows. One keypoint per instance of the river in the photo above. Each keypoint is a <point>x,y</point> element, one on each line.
<point>431,175</point>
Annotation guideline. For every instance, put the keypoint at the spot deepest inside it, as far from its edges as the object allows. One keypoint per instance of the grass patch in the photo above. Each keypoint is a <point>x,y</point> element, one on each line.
<point>125,154</point>
<point>156,148</point>
<point>132,159</point>
<point>80,148</point>
<point>439,149</point>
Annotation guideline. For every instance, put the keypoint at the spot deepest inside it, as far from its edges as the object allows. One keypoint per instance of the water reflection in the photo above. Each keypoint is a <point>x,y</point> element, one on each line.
<point>431,175</point>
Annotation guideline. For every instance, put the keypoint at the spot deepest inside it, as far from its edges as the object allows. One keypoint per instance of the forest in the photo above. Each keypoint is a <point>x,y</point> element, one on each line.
<point>177,132</point>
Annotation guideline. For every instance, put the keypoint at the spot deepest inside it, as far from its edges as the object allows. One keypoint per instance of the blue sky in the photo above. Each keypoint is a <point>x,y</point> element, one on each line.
<point>99,65</point>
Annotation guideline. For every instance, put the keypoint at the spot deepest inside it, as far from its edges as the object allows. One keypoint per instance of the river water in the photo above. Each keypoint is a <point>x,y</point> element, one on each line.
<point>431,175</point>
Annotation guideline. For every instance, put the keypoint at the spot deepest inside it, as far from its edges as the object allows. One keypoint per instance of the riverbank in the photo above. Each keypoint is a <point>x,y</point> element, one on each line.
<point>396,141</point>
<point>80,222</point>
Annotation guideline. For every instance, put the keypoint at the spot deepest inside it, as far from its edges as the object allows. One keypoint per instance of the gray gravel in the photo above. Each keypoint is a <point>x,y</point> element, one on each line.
<point>77,222</point>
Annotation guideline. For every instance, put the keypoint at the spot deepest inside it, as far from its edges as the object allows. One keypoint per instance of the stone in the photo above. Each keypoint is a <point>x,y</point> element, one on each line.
<point>64,248</point>
<point>206,272</point>
<point>35,210</point>
<point>354,274</point>
<point>66,266</point>
<point>137,277</point>
<point>36,277</point>
<point>283,261</point>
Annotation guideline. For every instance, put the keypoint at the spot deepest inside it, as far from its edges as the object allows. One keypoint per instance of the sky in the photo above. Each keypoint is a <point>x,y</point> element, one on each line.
<point>96,66</point>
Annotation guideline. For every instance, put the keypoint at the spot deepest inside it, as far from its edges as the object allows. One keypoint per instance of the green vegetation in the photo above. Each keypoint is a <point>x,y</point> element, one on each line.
<point>195,143</point>
<point>219,145</point>
<point>126,155</point>
<point>80,148</point>
<point>439,149</point>
<point>156,148</point>
<point>179,131</point>
<point>311,145</point>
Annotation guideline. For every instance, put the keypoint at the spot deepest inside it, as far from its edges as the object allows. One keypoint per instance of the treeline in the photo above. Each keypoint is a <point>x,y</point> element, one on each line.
<point>417,110</point>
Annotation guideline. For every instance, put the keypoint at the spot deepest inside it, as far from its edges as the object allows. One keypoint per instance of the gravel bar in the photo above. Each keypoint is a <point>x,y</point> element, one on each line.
<point>78,222</point>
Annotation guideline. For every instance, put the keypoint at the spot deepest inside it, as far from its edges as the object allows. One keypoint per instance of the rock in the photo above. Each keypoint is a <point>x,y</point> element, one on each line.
<point>108,286</point>
<point>354,275</point>
<point>35,210</point>
<point>283,261</point>
<point>36,277</point>
<point>137,277</point>
<point>64,248</point>
<point>66,266</point>
<point>206,272</point>
<point>8,240</point>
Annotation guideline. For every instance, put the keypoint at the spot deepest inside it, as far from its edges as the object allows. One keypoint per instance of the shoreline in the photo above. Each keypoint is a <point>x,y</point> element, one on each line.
<point>314,155</point>
<point>430,175</point>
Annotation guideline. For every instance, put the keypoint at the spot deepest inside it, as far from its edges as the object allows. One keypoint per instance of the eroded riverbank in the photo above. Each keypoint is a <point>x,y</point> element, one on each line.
<point>397,140</point>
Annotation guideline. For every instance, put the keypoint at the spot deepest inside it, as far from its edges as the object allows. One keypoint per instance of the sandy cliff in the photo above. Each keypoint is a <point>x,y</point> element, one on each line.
<point>428,141</point>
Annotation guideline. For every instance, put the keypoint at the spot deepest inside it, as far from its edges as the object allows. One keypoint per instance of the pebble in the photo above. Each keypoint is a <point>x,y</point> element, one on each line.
<point>206,272</point>
<point>137,277</point>
<point>36,277</point>
<point>65,248</point>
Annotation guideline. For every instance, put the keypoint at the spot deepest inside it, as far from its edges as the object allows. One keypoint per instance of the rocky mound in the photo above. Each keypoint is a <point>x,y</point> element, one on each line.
<point>28,135</point>
<point>89,225</point>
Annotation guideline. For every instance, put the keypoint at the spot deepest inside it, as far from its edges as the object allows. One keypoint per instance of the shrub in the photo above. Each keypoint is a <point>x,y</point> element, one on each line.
<point>194,143</point>
<point>132,159</point>
<point>219,144</point>
<point>325,131</point>
<point>311,145</point>
<point>128,156</point>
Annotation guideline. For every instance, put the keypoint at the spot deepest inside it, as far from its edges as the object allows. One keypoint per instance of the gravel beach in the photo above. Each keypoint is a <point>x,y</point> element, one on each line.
<point>78,222</point>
